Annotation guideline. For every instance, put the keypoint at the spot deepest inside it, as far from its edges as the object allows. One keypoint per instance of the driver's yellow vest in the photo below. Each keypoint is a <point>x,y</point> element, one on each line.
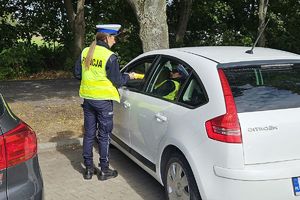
<point>172,94</point>
<point>94,82</point>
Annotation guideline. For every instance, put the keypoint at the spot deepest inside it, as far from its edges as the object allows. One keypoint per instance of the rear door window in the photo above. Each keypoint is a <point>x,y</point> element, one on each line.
<point>265,87</point>
<point>194,94</point>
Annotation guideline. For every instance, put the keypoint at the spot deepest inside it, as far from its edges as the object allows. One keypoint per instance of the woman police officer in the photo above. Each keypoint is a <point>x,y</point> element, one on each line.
<point>100,76</point>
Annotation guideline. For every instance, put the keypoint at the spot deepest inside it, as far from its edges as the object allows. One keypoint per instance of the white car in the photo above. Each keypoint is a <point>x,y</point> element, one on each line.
<point>230,130</point>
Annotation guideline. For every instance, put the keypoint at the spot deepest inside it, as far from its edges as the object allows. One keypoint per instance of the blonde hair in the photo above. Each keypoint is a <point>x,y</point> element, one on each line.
<point>99,36</point>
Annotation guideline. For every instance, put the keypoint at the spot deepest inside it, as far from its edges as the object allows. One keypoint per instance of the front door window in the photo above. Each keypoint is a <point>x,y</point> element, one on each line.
<point>168,79</point>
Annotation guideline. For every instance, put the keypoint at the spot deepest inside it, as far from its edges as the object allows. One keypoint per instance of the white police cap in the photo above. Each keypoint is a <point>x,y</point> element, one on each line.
<point>112,29</point>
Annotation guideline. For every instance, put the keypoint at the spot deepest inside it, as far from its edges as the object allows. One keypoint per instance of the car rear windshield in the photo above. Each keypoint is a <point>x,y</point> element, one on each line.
<point>265,87</point>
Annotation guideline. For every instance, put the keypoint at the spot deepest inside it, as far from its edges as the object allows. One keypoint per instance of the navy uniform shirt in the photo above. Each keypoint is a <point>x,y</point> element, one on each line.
<point>112,69</point>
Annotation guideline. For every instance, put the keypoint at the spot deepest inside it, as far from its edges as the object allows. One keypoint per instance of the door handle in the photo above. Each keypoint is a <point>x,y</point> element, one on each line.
<point>126,104</point>
<point>160,118</point>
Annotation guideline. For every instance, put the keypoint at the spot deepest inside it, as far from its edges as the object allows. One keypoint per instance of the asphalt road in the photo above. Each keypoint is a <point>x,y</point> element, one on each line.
<point>36,90</point>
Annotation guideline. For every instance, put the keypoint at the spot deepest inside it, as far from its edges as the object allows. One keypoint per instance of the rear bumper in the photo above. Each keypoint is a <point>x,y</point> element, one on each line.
<point>24,181</point>
<point>229,189</point>
<point>262,172</point>
<point>264,181</point>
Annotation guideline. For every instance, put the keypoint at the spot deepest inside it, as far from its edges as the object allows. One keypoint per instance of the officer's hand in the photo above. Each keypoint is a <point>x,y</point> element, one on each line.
<point>131,75</point>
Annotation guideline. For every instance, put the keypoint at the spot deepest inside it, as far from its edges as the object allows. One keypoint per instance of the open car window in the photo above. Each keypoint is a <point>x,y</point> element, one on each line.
<point>168,79</point>
<point>142,69</point>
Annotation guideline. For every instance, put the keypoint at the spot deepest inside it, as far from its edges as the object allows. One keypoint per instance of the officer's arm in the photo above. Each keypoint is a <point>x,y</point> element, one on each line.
<point>113,72</point>
<point>77,69</point>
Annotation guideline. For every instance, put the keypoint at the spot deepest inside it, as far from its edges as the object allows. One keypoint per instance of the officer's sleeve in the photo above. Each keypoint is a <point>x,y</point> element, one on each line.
<point>77,69</point>
<point>113,72</point>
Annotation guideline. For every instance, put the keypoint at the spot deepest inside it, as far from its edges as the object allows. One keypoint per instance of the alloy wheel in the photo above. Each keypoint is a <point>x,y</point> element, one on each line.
<point>177,183</point>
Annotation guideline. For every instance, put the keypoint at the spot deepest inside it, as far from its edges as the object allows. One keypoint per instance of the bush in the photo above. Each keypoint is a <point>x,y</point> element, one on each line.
<point>23,60</point>
<point>55,58</point>
<point>19,60</point>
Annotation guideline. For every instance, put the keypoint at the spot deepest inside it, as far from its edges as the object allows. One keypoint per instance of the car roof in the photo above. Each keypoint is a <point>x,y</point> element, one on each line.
<point>230,54</point>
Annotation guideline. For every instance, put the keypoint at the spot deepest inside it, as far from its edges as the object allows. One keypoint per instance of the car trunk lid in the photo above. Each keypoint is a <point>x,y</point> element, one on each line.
<point>267,98</point>
<point>270,136</point>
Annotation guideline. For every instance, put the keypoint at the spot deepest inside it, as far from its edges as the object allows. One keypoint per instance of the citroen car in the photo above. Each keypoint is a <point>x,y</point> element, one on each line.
<point>20,176</point>
<point>231,130</point>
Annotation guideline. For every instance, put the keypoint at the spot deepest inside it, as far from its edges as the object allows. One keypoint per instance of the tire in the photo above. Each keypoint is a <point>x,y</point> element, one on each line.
<point>179,180</point>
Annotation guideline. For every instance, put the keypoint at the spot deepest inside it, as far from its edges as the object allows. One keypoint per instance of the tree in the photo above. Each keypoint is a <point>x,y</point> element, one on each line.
<point>185,12</point>
<point>262,13</point>
<point>284,25</point>
<point>77,23</point>
<point>152,18</point>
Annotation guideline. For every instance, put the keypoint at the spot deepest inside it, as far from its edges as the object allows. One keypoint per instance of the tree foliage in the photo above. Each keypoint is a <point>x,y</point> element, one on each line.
<point>213,22</point>
<point>284,29</point>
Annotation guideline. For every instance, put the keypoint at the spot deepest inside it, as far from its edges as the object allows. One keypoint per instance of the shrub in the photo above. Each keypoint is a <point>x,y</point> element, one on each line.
<point>19,60</point>
<point>23,60</point>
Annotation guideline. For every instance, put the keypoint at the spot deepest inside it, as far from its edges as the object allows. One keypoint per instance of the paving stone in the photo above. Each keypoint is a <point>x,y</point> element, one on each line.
<point>62,174</point>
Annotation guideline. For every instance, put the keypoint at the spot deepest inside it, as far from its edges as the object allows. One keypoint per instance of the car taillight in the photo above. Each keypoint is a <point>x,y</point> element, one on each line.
<point>225,128</point>
<point>2,154</point>
<point>17,145</point>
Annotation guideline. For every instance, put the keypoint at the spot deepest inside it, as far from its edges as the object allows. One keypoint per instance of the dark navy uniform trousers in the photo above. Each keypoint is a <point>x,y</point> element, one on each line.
<point>98,122</point>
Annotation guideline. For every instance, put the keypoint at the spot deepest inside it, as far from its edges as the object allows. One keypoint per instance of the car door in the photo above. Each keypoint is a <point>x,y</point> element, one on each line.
<point>121,131</point>
<point>151,111</point>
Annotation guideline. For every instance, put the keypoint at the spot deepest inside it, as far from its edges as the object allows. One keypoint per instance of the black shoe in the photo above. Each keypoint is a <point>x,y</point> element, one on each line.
<point>107,174</point>
<point>89,172</point>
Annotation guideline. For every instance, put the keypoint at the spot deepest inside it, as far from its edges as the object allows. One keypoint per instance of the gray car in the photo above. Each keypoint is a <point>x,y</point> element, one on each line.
<point>20,176</point>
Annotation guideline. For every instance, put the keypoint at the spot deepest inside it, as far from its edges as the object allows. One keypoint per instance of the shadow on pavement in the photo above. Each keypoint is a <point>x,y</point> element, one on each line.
<point>141,182</point>
<point>69,143</point>
<point>138,179</point>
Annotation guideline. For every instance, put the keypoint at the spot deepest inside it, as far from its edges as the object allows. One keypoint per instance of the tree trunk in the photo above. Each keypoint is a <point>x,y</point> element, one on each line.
<point>262,13</point>
<point>77,23</point>
<point>185,12</point>
<point>27,36</point>
<point>152,18</point>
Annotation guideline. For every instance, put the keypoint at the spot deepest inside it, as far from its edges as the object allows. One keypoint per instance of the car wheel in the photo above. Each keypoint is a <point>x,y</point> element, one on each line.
<point>179,180</point>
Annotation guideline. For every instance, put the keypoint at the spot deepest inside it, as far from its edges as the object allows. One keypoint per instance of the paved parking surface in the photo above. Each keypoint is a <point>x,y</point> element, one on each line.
<point>61,170</point>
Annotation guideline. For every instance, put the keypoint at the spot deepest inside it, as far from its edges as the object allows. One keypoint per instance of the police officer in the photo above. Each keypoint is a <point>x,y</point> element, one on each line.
<point>98,70</point>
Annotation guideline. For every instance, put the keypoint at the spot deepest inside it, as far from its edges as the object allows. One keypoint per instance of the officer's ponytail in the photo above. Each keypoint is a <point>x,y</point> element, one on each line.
<point>89,57</point>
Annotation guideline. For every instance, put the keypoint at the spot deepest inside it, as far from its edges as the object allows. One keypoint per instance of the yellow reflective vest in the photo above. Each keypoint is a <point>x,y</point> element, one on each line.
<point>172,94</point>
<point>94,83</point>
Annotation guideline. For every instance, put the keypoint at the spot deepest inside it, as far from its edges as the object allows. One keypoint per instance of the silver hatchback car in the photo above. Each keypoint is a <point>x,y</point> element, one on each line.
<point>214,123</point>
